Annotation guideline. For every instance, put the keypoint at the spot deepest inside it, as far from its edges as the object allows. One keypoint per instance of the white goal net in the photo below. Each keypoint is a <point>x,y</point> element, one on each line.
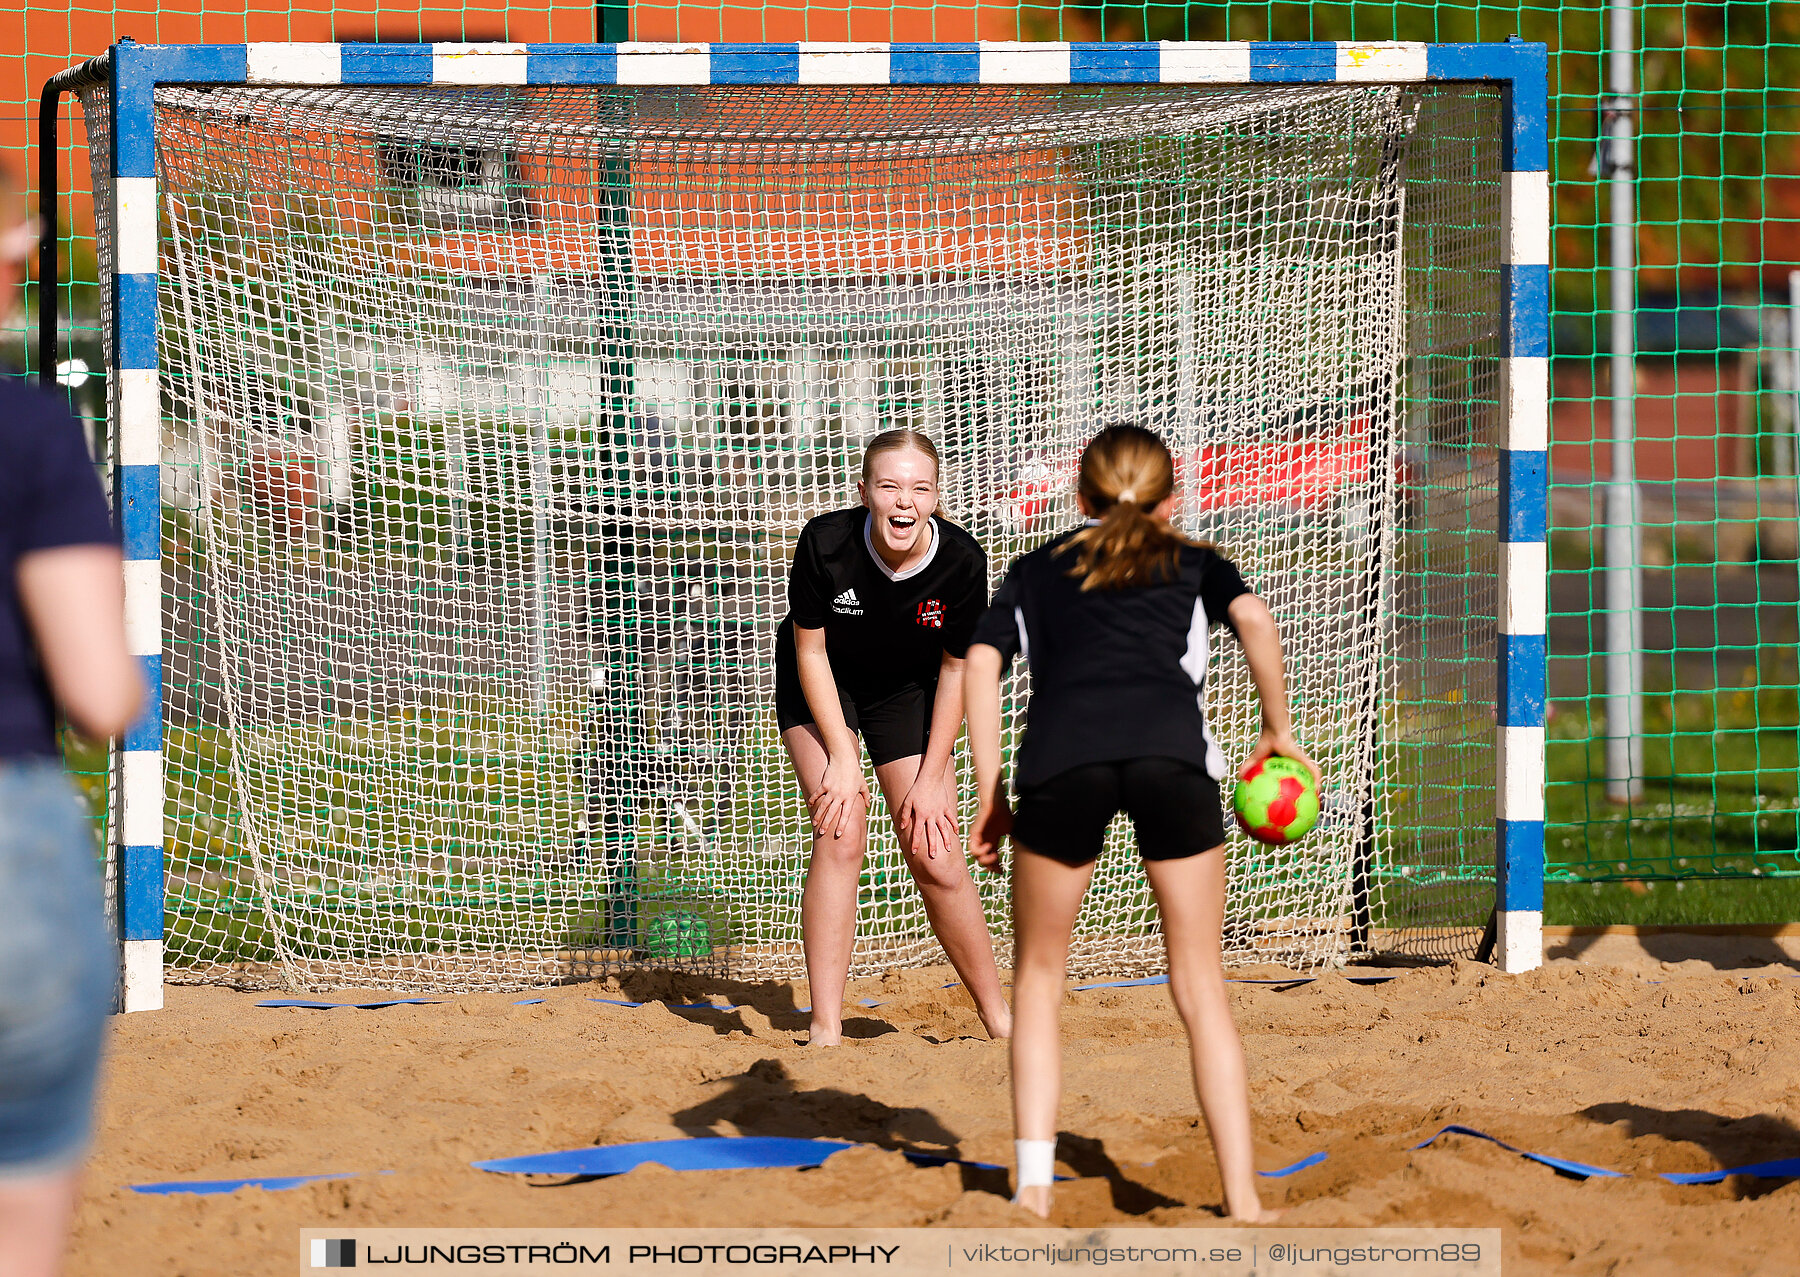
<point>493,414</point>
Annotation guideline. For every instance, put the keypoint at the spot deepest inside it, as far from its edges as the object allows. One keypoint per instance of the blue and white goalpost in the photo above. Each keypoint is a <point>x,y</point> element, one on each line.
<point>1087,340</point>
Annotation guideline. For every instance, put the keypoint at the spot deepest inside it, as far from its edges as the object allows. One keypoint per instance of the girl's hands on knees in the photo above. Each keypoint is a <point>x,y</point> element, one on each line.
<point>993,822</point>
<point>927,817</point>
<point>841,790</point>
<point>1278,742</point>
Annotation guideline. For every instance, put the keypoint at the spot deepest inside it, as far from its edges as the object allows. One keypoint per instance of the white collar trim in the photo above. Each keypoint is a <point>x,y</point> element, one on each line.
<point>915,569</point>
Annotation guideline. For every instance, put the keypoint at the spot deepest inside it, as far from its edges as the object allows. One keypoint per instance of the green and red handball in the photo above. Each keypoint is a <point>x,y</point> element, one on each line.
<point>1276,801</point>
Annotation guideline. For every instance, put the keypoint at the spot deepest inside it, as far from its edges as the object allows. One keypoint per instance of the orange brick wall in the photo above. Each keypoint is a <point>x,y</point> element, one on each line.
<point>1696,420</point>
<point>49,35</point>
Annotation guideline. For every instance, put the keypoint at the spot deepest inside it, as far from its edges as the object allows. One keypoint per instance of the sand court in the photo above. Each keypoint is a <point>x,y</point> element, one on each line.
<point>1639,1065</point>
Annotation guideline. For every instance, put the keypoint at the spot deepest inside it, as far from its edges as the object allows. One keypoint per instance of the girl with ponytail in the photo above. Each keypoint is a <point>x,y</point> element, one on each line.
<point>1114,619</point>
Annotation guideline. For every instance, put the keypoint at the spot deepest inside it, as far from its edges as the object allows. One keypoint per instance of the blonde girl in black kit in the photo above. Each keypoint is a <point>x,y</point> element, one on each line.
<point>1114,619</point>
<point>882,599</point>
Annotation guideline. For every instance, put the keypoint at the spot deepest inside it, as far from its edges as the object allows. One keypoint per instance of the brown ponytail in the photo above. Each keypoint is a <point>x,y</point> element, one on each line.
<point>1126,472</point>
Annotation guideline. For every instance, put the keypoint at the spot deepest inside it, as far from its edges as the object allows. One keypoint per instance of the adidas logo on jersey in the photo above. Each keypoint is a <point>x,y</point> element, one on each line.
<point>847,604</point>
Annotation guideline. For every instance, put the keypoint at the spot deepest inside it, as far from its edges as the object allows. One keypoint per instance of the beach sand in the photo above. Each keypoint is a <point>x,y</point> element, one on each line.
<point>1640,1056</point>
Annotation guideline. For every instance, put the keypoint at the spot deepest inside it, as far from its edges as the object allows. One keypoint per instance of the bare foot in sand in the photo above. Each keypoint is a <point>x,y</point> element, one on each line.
<point>1035,1199</point>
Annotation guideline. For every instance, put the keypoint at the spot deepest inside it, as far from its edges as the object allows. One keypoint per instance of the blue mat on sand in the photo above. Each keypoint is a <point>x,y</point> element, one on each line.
<point>736,1152</point>
<point>1123,984</point>
<point>1786,1168</point>
<point>750,1152</point>
<point>207,1187</point>
<point>691,1006</point>
<point>938,1159</point>
<point>1283,1172</point>
<point>727,1153</point>
<point>1142,981</point>
<point>933,1159</point>
<point>361,1006</point>
<point>1562,1164</point>
<point>620,1002</point>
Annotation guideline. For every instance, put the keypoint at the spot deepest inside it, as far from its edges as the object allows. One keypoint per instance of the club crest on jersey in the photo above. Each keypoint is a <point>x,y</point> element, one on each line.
<point>847,604</point>
<point>931,614</point>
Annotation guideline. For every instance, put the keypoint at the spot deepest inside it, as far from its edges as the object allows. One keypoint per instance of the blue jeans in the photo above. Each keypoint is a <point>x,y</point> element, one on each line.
<point>57,970</point>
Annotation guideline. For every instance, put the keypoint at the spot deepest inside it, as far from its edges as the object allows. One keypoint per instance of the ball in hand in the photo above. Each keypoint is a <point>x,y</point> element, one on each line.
<point>1276,800</point>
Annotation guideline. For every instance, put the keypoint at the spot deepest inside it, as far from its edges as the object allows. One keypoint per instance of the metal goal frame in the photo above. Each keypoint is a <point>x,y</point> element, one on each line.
<point>133,71</point>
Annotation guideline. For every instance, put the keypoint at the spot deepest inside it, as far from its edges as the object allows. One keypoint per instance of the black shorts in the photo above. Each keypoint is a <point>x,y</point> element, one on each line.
<point>1173,804</point>
<point>894,722</point>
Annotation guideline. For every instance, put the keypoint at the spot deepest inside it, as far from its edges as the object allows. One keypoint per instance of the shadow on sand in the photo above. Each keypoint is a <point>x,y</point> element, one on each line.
<point>1728,1141</point>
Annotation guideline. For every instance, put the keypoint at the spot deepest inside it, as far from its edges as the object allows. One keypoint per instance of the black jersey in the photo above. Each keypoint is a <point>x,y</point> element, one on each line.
<point>885,630</point>
<point>1115,674</point>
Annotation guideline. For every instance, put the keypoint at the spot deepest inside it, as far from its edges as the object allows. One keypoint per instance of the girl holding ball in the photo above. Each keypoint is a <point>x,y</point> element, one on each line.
<point>1114,619</point>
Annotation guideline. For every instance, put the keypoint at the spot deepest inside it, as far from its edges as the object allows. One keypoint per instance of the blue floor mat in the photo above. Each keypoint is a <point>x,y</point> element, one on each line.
<point>1562,1164</point>
<point>1282,1172</point>
<point>1786,1168</point>
<point>360,1006</point>
<point>210,1187</point>
<point>725,1153</point>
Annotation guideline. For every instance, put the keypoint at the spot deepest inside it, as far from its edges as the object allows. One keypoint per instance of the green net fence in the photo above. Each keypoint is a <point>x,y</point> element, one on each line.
<point>1711,831</point>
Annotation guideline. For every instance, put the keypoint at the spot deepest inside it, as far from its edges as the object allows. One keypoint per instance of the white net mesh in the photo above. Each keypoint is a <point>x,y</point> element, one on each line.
<point>494,415</point>
<point>95,103</point>
<point>1432,876</point>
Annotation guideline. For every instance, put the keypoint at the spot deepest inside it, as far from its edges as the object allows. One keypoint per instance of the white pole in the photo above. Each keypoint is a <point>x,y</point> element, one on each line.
<point>1777,341</point>
<point>1793,341</point>
<point>1624,575</point>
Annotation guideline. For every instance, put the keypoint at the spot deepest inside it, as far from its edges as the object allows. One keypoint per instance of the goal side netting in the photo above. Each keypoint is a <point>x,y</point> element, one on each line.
<point>492,416</point>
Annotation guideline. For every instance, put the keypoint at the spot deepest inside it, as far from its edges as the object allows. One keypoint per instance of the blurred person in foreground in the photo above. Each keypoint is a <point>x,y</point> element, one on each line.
<point>62,647</point>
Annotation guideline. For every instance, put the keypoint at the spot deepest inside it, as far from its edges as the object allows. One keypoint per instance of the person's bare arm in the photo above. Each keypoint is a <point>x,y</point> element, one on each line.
<point>843,783</point>
<point>981,696</point>
<point>1261,641</point>
<point>928,812</point>
<point>73,598</point>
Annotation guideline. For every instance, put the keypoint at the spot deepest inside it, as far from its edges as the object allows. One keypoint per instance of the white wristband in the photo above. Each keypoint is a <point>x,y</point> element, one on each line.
<point>1037,1162</point>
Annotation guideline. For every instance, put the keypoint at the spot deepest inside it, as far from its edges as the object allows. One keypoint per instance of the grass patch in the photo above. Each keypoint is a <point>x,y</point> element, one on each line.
<point>1719,796</point>
<point>1717,902</point>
